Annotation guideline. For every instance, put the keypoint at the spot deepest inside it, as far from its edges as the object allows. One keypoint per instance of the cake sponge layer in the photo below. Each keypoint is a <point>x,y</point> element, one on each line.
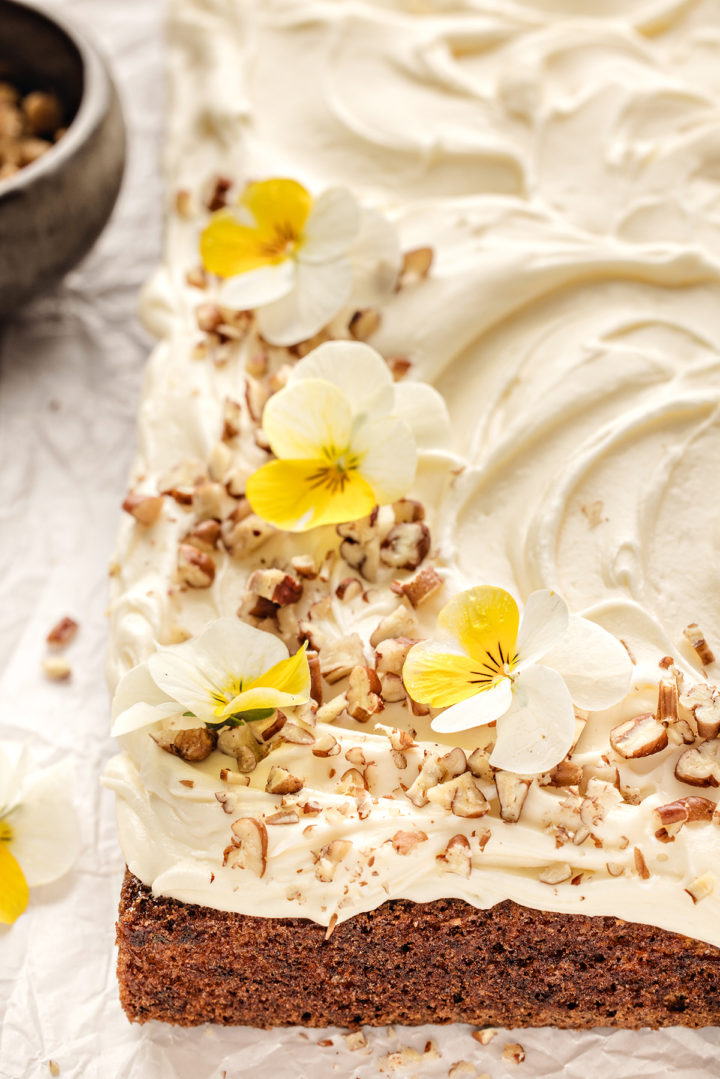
<point>409,963</point>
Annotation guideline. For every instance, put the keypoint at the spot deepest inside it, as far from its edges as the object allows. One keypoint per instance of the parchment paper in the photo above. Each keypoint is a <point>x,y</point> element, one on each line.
<point>70,370</point>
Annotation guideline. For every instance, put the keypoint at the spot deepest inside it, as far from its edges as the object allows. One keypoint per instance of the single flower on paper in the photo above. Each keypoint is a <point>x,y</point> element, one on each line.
<point>484,666</point>
<point>299,260</point>
<point>39,834</point>
<point>346,437</point>
<point>229,674</point>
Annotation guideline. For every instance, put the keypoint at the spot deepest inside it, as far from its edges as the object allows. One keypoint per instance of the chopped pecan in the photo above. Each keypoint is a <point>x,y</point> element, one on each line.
<point>195,567</point>
<point>404,842</point>
<point>700,766</point>
<point>417,262</point>
<point>280,781</point>
<point>703,699</point>
<point>364,324</point>
<point>557,873</point>
<point>701,887</point>
<point>364,694</point>
<point>144,508</point>
<point>694,636</point>
<point>420,587</point>
<point>406,545</point>
<point>338,657</point>
<point>280,588</point>
<point>249,846</point>
<point>399,623</point>
<point>391,653</point>
<point>329,858</point>
<point>673,815</point>
<point>512,792</point>
<point>456,857</point>
<point>62,633</point>
<point>191,745</point>
<point>639,737</point>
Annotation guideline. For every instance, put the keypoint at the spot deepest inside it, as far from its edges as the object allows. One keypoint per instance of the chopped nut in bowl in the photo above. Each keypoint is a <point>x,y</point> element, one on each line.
<point>62,150</point>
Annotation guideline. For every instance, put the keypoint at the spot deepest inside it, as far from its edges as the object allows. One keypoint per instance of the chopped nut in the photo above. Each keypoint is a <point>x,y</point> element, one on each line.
<point>700,767</point>
<point>407,509</point>
<point>57,668</point>
<point>339,657</point>
<point>694,636</point>
<point>615,869</point>
<point>204,535</point>
<point>564,774</point>
<point>701,887</point>
<point>329,858</point>
<point>420,587</point>
<point>43,112</point>
<point>195,567</point>
<point>399,366</point>
<point>429,776</point>
<point>485,1036</point>
<point>326,746</point>
<point>461,1067</point>
<point>640,864</point>
<point>332,709</point>
<point>363,694</point>
<point>62,633</point>
<point>555,874</point>
<point>191,745</point>
<point>364,323</point>
<point>703,699</point>
<point>283,816</point>
<point>355,1040</point>
<point>404,842</point>
<point>233,742</point>
<point>242,537</point>
<point>144,508</point>
<point>417,262</point>
<point>406,545</point>
<point>280,781</point>
<point>392,688</point>
<point>399,623</point>
<point>249,846</point>
<point>514,1053</point>
<point>512,792</point>
<point>673,815</point>
<point>304,566</point>
<point>217,193</point>
<point>297,735</point>
<point>639,737</point>
<point>209,501</point>
<point>391,653</point>
<point>273,584</point>
<point>479,764</point>
<point>53,1067</point>
<point>350,782</point>
<point>349,588</point>
<point>456,857</point>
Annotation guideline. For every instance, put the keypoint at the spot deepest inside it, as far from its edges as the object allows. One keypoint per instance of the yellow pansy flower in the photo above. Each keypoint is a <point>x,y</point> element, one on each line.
<point>484,667</point>
<point>230,672</point>
<point>299,260</point>
<point>39,836</point>
<point>346,437</point>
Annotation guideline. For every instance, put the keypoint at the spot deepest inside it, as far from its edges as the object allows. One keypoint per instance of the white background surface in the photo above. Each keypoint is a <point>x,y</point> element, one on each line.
<point>70,369</point>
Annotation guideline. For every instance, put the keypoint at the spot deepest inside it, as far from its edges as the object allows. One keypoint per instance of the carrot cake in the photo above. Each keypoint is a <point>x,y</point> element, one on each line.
<point>414,610</point>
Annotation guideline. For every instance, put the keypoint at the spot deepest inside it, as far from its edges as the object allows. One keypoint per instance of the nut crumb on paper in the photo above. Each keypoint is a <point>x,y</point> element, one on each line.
<point>513,1052</point>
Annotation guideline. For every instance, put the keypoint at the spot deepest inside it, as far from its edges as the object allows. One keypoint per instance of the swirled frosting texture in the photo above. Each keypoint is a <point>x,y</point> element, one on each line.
<point>565,167</point>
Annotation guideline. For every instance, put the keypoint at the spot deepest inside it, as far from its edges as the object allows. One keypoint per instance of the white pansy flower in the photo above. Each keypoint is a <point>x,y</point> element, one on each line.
<point>346,438</point>
<point>39,835</point>
<point>488,665</point>
<point>229,673</point>
<point>298,260</point>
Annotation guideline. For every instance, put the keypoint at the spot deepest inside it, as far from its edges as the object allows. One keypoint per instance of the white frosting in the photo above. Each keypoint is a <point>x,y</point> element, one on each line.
<point>564,168</point>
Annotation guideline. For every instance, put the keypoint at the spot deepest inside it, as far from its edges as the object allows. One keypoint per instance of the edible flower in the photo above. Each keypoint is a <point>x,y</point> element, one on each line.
<point>39,835</point>
<point>299,260</point>
<point>346,438</point>
<point>229,674</point>
<point>483,667</point>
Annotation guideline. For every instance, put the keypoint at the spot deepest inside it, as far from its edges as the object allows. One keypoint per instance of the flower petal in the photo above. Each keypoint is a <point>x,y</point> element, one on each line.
<point>280,202</point>
<point>331,226</point>
<point>140,715</point>
<point>485,707</point>
<point>543,623</point>
<point>227,650</point>
<point>538,730</point>
<point>424,411</point>
<point>308,420</point>
<point>139,685</point>
<point>321,291</point>
<point>434,676</point>
<point>285,684</point>
<point>14,891</point>
<point>228,248</point>
<point>15,765</point>
<point>375,258</point>
<point>46,836</point>
<point>357,370</point>
<point>290,495</point>
<point>485,622</point>
<point>593,664</point>
<point>388,457</point>
<point>258,287</point>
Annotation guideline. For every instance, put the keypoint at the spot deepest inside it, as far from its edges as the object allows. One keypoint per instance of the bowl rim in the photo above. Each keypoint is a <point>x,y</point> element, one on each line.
<point>93,101</point>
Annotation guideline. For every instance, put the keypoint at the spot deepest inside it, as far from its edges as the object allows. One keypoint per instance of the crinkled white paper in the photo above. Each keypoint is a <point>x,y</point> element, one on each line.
<point>70,370</point>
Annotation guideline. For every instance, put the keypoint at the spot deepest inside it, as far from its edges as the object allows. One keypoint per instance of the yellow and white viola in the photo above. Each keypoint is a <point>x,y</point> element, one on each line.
<point>484,666</point>
<point>346,438</point>
<point>230,673</point>
<point>299,260</point>
<point>39,834</point>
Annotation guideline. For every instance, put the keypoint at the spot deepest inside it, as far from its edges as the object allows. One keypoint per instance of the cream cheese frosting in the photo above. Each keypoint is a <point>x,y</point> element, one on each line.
<point>564,169</point>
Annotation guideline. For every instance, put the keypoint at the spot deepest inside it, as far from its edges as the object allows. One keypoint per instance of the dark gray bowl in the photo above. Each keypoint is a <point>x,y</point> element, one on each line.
<point>53,210</point>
